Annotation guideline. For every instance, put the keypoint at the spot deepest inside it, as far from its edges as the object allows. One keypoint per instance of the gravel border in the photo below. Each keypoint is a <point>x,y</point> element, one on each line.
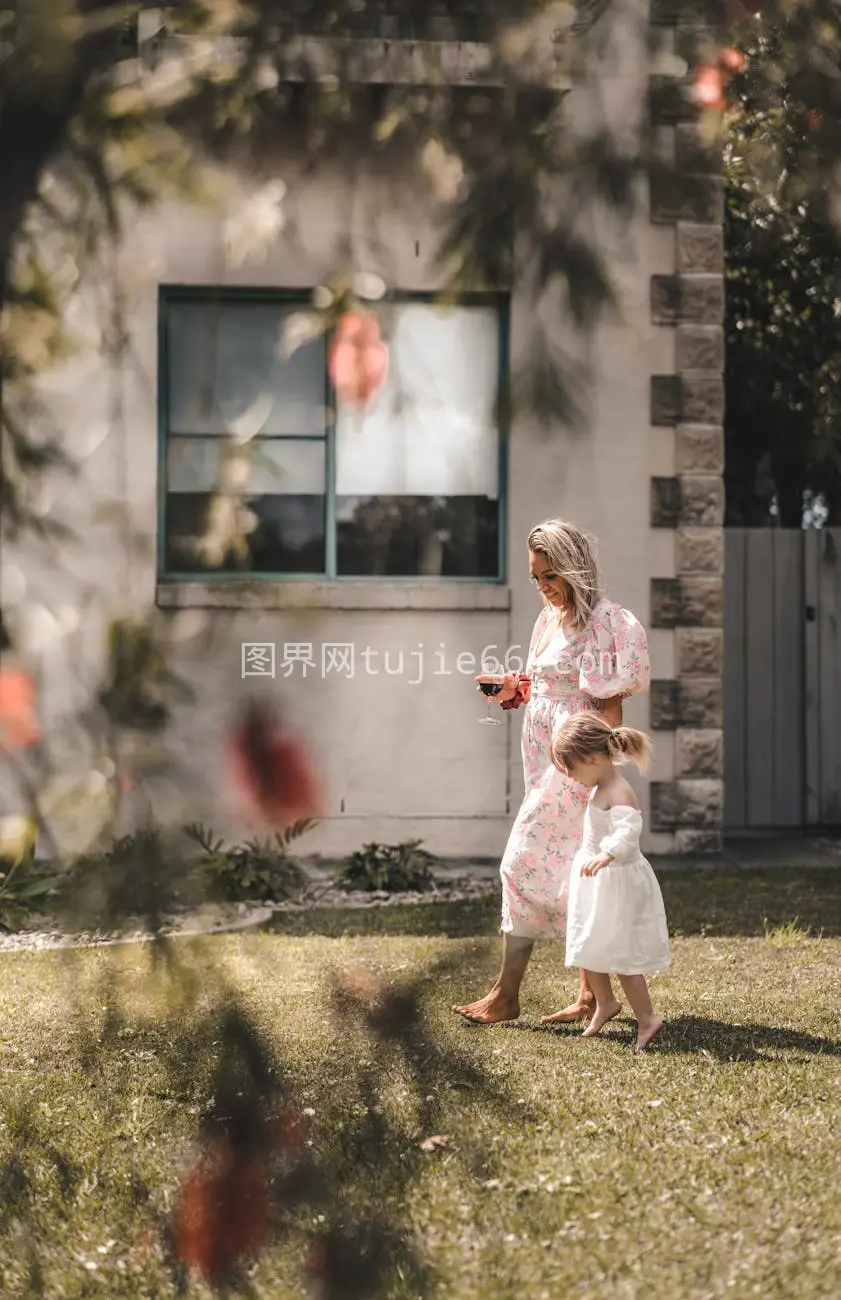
<point>236,917</point>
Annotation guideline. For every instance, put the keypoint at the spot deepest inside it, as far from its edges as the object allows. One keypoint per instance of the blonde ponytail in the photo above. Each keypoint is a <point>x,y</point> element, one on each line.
<point>625,745</point>
<point>587,735</point>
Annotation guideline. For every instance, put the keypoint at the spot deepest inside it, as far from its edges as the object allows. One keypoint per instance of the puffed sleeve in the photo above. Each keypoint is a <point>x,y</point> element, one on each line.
<point>615,658</point>
<point>623,840</point>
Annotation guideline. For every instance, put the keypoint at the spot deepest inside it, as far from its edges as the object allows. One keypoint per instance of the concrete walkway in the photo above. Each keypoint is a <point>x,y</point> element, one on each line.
<point>749,853</point>
<point>762,853</point>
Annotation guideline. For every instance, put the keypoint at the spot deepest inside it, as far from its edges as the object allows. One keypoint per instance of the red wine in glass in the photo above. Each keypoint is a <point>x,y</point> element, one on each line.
<point>490,689</point>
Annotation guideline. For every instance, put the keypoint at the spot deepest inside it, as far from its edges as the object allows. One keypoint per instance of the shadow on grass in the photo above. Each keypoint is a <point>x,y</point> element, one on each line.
<point>723,902</point>
<point>698,1035</point>
<point>691,1035</point>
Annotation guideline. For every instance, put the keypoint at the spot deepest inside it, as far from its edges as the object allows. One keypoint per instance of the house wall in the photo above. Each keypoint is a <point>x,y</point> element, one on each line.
<point>400,760</point>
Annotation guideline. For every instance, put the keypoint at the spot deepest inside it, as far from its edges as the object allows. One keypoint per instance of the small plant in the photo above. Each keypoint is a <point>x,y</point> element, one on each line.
<point>22,881</point>
<point>785,936</point>
<point>388,868</point>
<point>250,871</point>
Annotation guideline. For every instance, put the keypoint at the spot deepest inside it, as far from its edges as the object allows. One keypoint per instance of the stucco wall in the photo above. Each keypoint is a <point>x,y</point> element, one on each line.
<point>400,760</point>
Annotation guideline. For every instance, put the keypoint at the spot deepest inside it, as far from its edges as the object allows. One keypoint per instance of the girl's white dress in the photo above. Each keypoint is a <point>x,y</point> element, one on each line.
<point>616,922</point>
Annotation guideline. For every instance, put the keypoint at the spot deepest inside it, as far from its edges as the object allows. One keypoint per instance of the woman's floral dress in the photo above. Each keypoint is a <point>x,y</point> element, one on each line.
<point>609,658</point>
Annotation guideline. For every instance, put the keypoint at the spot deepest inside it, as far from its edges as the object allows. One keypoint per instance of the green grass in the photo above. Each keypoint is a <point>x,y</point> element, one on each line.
<point>707,1168</point>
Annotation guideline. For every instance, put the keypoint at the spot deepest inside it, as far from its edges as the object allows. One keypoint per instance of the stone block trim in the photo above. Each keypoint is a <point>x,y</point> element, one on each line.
<point>699,754</point>
<point>700,347</point>
<point>695,155</point>
<point>691,299</point>
<point>668,13</point>
<point>686,501</point>
<point>700,550</point>
<point>689,196</point>
<point>665,502</point>
<point>702,500</point>
<point>687,804</point>
<point>699,652</point>
<point>693,702</point>
<point>687,602</point>
<point>686,198</point>
<point>705,844</point>
<point>699,448</point>
<point>700,249</point>
<point>693,397</point>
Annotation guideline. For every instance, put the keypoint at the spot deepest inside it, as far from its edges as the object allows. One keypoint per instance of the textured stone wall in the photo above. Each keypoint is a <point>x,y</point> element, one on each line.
<point>691,401</point>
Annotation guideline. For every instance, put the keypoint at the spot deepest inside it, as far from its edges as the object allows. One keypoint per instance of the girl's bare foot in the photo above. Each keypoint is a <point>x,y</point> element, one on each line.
<point>492,1009</point>
<point>581,1010</point>
<point>647,1031</point>
<point>601,1017</point>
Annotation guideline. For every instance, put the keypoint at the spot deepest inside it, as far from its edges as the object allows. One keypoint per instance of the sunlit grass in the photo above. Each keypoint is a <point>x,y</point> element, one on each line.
<point>707,1168</point>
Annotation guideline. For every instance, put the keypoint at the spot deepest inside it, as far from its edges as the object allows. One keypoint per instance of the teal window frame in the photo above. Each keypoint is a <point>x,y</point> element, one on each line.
<point>171,293</point>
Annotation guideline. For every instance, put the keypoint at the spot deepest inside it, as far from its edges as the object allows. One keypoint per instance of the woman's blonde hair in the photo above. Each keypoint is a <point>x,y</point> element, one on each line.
<point>588,735</point>
<point>571,553</point>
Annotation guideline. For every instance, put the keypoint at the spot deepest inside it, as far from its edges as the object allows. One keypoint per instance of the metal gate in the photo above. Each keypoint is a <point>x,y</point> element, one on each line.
<point>782,678</point>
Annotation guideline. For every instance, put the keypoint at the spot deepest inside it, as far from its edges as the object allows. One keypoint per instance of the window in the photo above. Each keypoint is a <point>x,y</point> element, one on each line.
<point>411,488</point>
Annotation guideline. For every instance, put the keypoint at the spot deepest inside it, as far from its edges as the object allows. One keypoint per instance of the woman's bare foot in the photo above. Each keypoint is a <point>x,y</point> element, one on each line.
<point>647,1031</point>
<point>602,1014</point>
<point>494,1008</point>
<point>580,1010</point>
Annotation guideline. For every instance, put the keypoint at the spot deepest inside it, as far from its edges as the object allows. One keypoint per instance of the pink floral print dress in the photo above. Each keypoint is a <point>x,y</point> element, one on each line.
<point>609,658</point>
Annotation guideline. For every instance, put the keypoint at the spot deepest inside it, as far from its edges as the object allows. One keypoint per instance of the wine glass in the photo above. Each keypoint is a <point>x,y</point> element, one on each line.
<point>490,689</point>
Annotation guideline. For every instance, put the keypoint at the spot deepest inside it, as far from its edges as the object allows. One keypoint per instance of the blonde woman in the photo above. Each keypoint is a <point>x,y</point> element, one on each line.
<point>586,653</point>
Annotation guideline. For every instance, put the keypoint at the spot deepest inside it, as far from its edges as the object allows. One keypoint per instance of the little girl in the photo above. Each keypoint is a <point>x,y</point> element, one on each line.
<point>616,922</point>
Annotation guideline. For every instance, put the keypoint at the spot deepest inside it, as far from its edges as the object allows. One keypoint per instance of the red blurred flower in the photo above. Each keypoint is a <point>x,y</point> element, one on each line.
<point>814,119</point>
<point>274,773</point>
<point>223,1211</point>
<point>358,359</point>
<point>708,90</point>
<point>18,719</point>
<point>733,60</point>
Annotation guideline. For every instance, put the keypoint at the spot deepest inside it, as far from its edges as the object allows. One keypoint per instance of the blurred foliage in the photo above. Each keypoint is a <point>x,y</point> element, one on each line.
<point>100,116</point>
<point>140,878</point>
<point>120,111</point>
<point>24,883</point>
<point>388,868</point>
<point>138,679</point>
<point>783,326</point>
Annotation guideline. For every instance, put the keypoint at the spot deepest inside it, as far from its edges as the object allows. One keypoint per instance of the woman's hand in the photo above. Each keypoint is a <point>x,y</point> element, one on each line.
<point>595,865</point>
<point>509,682</point>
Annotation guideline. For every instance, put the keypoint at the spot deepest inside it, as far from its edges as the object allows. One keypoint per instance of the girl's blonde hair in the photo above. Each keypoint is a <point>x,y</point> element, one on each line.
<point>588,735</point>
<point>571,553</point>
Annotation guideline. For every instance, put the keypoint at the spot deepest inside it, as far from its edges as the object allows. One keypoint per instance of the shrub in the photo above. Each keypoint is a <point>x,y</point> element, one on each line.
<point>388,868</point>
<point>23,883</point>
<point>250,871</point>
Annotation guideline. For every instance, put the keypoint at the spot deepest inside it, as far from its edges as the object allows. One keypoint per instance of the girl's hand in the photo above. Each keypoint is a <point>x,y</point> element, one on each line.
<point>509,681</point>
<point>595,865</point>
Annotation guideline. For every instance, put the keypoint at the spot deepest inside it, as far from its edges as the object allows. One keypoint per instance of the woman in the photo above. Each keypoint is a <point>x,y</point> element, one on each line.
<point>586,653</point>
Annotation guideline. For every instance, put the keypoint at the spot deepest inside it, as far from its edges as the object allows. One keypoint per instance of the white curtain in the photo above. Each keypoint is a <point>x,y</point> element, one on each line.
<point>432,431</point>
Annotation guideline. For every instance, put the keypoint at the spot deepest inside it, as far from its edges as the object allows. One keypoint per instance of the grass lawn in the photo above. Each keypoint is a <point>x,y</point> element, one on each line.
<point>708,1167</point>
